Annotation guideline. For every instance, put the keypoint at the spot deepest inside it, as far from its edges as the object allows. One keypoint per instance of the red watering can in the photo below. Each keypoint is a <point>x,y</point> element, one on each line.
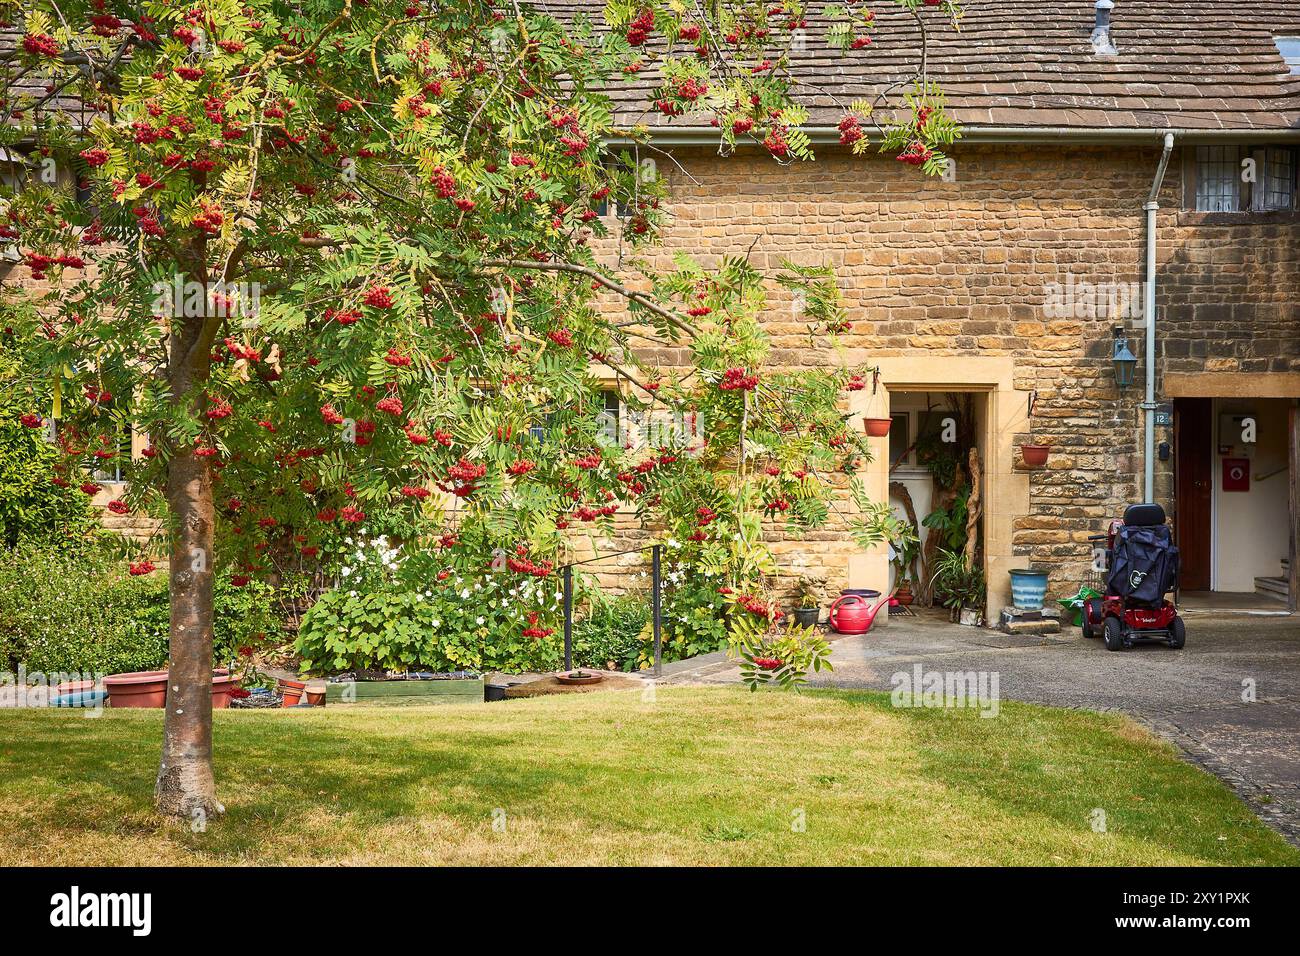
<point>850,614</point>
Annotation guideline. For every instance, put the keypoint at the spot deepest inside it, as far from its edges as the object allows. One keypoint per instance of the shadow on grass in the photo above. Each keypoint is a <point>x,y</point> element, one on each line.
<point>1083,770</point>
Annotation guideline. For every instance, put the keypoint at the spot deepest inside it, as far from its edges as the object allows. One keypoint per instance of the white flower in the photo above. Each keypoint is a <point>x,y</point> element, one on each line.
<point>345,571</point>
<point>479,621</point>
<point>435,622</point>
<point>674,543</point>
<point>465,593</point>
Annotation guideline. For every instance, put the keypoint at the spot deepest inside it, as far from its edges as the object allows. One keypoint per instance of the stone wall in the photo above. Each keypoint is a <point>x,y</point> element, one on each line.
<point>942,269</point>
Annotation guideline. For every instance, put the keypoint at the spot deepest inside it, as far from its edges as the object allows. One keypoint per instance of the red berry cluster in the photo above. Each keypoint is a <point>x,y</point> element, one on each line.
<point>379,297</point>
<point>737,379</point>
<point>40,44</point>
<point>397,359</point>
<point>639,30</point>
<point>850,130</point>
<point>916,154</point>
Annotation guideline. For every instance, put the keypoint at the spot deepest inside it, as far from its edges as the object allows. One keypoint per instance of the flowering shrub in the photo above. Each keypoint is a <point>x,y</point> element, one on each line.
<point>485,623</point>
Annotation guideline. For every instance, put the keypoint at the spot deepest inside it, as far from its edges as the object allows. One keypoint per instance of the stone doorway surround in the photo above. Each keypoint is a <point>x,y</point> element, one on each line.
<point>1001,422</point>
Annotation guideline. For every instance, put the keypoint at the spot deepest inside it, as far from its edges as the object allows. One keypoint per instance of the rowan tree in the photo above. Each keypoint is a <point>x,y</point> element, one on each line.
<point>336,257</point>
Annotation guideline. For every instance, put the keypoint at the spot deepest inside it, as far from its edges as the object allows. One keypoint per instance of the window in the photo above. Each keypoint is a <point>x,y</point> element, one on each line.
<point>609,417</point>
<point>1276,180</point>
<point>1218,171</point>
<point>1230,179</point>
<point>1289,47</point>
<point>122,454</point>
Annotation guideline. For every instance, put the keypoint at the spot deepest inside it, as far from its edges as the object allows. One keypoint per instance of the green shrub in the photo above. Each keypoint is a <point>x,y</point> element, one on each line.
<point>32,507</point>
<point>694,619</point>
<point>62,612</point>
<point>612,634</point>
<point>69,612</point>
<point>459,624</point>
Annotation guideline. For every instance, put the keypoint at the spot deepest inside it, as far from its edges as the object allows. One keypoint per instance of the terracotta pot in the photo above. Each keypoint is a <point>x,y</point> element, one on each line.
<point>74,687</point>
<point>137,689</point>
<point>149,688</point>
<point>877,427</point>
<point>315,692</point>
<point>904,595</point>
<point>222,685</point>
<point>292,691</point>
<point>1035,456</point>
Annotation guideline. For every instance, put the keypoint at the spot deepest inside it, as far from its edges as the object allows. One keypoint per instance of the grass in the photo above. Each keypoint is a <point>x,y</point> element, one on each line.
<point>698,776</point>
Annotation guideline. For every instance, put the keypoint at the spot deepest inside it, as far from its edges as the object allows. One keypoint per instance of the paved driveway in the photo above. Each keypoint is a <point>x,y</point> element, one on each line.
<point>1193,697</point>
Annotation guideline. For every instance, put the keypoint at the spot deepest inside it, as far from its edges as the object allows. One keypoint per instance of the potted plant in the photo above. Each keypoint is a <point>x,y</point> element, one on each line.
<point>960,587</point>
<point>809,593</point>
<point>906,549</point>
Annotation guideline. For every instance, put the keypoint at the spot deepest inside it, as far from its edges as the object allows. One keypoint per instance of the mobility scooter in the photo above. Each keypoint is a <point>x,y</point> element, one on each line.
<point>1141,567</point>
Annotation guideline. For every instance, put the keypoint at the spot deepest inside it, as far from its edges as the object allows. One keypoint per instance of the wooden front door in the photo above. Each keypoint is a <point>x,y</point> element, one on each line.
<point>1193,438</point>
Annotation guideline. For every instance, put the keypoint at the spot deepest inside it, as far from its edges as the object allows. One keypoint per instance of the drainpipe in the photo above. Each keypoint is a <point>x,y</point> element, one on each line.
<point>1149,311</point>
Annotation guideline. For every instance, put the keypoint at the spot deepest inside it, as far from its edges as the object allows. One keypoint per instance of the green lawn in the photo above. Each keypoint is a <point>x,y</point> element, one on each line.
<point>699,776</point>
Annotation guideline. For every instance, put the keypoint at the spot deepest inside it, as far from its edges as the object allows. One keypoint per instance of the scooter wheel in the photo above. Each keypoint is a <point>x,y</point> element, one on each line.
<point>1114,634</point>
<point>1177,633</point>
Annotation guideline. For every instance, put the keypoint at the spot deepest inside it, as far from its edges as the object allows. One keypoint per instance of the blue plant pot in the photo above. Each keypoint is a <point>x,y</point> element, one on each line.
<point>1028,589</point>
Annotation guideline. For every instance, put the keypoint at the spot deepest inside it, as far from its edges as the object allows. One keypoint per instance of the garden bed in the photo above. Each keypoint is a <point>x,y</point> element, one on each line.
<point>406,691</point>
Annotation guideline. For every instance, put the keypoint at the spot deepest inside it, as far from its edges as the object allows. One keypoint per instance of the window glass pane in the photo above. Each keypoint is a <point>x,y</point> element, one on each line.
<point>1276,188</point>
<point>609,415</point>
<point>899,439</point>
<point>1217,172</point>
<point>113,469</point>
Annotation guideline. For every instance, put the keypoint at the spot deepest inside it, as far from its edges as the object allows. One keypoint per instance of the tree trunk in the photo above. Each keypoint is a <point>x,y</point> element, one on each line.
<point>186,786</point>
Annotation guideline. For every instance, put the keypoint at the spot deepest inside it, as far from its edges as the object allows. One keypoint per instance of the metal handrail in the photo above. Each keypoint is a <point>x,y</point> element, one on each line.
<point>656,602</point>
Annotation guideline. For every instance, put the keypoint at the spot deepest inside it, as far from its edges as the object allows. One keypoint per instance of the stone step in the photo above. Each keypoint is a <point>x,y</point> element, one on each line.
<point>1275,586</point>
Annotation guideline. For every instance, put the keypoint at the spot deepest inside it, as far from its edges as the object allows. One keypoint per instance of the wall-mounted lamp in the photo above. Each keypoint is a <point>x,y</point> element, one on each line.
<point>1125,361</point>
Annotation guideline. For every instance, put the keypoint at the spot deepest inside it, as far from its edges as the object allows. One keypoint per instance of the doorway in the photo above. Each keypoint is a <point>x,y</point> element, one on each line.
<point>1193,506</point>
<point>1232,510</point>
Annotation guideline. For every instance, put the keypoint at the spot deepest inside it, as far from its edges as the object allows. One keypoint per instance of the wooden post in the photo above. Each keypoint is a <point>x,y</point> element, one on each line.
<point>1293,566</point>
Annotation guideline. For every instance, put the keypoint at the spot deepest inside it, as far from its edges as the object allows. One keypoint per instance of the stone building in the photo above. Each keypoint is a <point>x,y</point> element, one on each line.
<point>1172,139</point>
<point>1096,169</point>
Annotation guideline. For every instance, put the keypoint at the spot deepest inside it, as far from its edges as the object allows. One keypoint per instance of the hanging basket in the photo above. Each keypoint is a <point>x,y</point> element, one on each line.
<point>1035,456</point>
<point>877,427</point>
